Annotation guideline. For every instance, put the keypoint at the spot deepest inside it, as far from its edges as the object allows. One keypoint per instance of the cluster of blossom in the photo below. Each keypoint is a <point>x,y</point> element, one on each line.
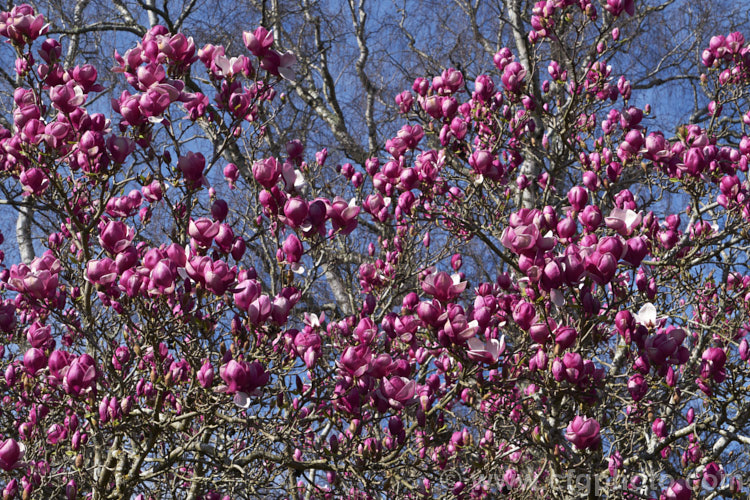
<point>526,348</point>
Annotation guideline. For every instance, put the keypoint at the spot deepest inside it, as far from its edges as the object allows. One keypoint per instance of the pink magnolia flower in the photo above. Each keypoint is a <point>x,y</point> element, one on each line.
<point>243,377</point>
<point>266,172</point>
<point>712,364</point>
<point>120,148</point>
<point>231,174</point>
<point>203,231</point>
<point>712,475</point>
<point>520,239</point>
<point>343,215</point>
<point>455,326</point>
<point>11,452</point>
<point>245,293</point>
<point>39,279</point>
<point>295,213</point>
<point>398,391</point>
<point>115,236</point>
<point>34,360</point>
<point>80,376</point>
<point>279,64</point>
<point>56,433</point>
<point>206,374</point>
<point>666,347</point>
<point>162,278</point>
<point>485,352</point>
<point>34,181</point>
<point>623,221</point>
<point>637,387</point>
<point>355,360</point>
<point>22,25</point>
<point>308,345</point>
<point>101,272</point>
<point>38,335</point>
<point>58,364</point>
<point>191,166</point>
<point>259,41</point>
<point>218,276</point>
<point>67,98</point>
<point>678,490</point>
<point>292,249</point>
<point>583,432</point>
<point>260,310</point>
<point>443,286</point>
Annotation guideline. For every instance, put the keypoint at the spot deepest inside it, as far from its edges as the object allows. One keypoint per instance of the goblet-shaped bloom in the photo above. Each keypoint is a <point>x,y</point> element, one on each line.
<point>206,375</point>
<point>456,327</point>
<point>578,198</point>
<point>259,41</point>
<point>241,376</point>
<point>81,375</point>
<point>38,335</point>
<point>58,363</point>
<point>161,278</point>
<point>7,317</point>
<point>443,286</point>
<point>667,347</point>
<point>203,231</point>
<point>191,165</point>
<point>712,365</point>
<point>115,236</point>
<point>10,453</point>
<point>295,212</point>
<point>524,314</point>
<point>573,366</point>
<point>22,25</point>
<point>486,352</point>
<point>245,293</point>
<point>565,337</point>
<point>399,391</point>
<point>712,475</point>
<point>637,387</point>
<point>307,344</point>
<point>34,181</point>
<point>119,148</point>
<point>583,432</point>
<point>355,360</point>
<point>292,248</point>
<point>101,272</point>
<point>34,360</point>
<point>266,172</point>
<point>520,239</point>
<point>218,276</point>
<point>66,98</point>
<point>513,75</point>
<point>343,215</point>
<point>678,490</point>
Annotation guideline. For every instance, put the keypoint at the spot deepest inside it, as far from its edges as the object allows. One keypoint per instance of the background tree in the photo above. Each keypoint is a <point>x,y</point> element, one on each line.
<point>529,282</point>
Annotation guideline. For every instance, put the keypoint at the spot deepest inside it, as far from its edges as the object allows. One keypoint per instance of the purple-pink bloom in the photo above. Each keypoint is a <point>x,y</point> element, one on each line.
<point>443,286</point>
<point>10,453</point>
<point>583,432</point>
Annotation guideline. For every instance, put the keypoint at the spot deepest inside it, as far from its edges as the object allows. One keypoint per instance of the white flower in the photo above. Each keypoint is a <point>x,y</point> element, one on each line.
<point>646,315</point>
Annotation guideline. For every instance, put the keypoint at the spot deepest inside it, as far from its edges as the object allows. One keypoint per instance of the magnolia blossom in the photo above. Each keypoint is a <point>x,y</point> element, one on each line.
<point>624,221</point>
<point>10,453</point>
<point>646,315</point>
<point>583,432</point>
<point>443,286</point>
<point>486,352</point>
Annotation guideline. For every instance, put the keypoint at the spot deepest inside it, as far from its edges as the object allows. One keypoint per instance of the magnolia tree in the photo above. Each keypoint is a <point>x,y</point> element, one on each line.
<point>547,299</point>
